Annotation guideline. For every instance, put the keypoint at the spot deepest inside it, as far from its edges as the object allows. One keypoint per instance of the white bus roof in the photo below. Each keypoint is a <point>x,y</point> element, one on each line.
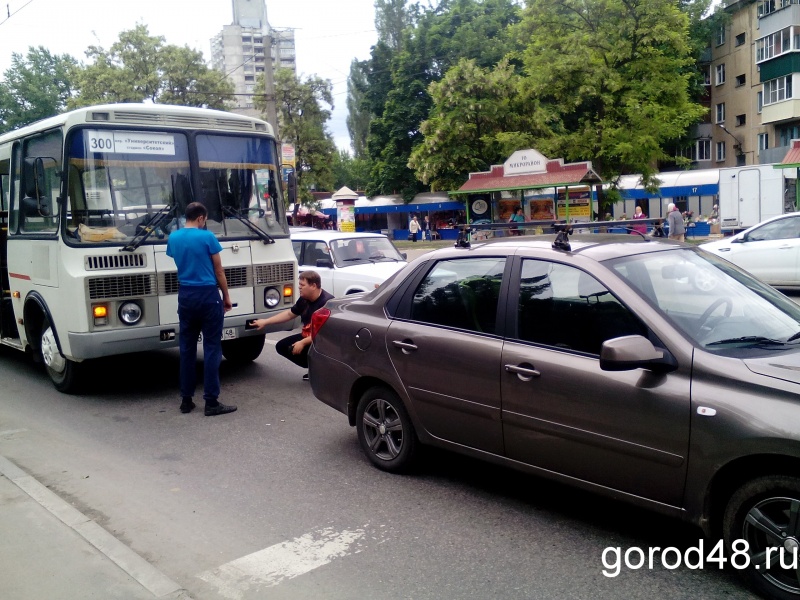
<point>154,115</point>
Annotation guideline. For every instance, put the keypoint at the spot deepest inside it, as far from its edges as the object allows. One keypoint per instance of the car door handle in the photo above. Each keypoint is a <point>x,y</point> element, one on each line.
<point>523,373</point>
<point>406,347</point>
<point>724,249</point>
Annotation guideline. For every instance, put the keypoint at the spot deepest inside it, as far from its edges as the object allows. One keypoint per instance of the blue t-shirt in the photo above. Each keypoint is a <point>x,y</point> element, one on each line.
<point>192,248</point>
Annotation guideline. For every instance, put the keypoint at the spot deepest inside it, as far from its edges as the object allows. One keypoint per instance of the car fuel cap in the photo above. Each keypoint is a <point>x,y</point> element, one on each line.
<point>363,339</point>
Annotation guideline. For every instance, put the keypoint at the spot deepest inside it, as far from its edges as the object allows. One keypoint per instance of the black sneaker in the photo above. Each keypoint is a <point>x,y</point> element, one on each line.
<point>305,377</point>
<point>187,405</point>
<point>219,409</point>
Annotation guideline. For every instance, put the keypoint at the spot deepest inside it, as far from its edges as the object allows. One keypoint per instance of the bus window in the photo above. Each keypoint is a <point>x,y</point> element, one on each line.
<point>118,180</point>
<point>42,154</point>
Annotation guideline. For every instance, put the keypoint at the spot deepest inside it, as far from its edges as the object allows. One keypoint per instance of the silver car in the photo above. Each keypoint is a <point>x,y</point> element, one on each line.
<point>646,370</point>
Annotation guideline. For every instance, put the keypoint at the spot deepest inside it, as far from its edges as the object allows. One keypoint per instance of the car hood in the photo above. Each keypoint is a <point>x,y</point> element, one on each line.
<point>785,366</point>
<point>378,270</point>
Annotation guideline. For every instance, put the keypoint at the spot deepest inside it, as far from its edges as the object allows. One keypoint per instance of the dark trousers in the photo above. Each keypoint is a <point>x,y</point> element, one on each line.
<point>200,310</point>
<point>284,348</point>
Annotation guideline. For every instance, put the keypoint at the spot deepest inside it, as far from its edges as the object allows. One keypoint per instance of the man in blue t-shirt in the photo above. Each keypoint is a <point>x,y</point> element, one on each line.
<point>196,254</point>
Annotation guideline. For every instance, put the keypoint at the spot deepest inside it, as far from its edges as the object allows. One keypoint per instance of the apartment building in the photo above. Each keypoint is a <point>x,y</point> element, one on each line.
<point>241,49</point>
<point>754,68</point>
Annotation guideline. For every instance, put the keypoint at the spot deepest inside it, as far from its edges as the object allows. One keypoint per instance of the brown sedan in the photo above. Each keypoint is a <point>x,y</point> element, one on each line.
<point>646,370</point>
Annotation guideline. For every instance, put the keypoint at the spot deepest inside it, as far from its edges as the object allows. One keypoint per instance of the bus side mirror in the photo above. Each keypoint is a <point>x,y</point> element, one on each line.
<point>35,203</point>
<point>33,173</point>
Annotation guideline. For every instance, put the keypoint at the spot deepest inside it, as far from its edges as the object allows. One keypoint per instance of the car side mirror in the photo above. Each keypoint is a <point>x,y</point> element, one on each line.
<point>325,262</point>
<point>741,240</point>
<point>634,352</point>
<point>35,202</point>
<point>404,255</point>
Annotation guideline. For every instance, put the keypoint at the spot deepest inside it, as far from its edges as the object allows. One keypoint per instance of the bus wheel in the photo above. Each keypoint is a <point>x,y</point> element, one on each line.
<point>245,349</point>
<point>62,371</point>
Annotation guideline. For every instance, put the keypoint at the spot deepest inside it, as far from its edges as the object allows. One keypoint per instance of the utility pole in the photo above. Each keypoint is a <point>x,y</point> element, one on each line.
<point>269,80</point>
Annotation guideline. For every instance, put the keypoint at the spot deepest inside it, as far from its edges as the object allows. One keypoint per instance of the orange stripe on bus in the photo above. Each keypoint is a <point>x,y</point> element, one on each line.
<point>19,276</point>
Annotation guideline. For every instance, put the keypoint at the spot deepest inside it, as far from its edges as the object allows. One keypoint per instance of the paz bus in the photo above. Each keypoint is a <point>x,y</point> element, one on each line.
<point>89,199</point>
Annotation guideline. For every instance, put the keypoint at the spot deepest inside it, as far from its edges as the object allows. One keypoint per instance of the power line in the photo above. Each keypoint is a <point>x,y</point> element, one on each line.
<point>10,14</point>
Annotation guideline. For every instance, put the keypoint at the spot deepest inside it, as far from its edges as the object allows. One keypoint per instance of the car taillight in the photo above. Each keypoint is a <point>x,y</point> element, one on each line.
<point>318,320</point>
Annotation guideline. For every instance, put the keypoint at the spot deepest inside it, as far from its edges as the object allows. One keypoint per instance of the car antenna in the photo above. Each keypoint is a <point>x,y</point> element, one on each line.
<point>562,239</point>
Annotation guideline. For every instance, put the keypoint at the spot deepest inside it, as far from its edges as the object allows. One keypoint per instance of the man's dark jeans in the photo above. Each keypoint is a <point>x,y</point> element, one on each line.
<point>284,348</point>
<point>200,309</point>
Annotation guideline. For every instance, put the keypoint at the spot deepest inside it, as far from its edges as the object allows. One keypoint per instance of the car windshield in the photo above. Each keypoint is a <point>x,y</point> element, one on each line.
<point>123,185</point>
<point>715,304</point>
<point>348,252</point>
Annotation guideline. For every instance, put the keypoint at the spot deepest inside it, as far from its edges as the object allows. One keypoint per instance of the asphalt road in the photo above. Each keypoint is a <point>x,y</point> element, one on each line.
<point>277,500</point>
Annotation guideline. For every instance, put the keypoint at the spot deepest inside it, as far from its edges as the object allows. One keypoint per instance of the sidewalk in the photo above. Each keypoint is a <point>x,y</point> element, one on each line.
<point>48,549</point>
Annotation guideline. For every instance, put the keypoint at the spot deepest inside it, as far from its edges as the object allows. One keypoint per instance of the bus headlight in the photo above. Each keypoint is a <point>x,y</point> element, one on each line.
<point>130,313</point>
<point>271,297</point>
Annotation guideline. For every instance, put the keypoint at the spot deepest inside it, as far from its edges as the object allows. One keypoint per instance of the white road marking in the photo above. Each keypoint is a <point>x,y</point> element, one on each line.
<point>11,431</point>
<point>273,565</point>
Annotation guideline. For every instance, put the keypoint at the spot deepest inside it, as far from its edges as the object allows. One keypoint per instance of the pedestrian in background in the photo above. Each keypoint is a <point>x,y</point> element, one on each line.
<point>413,229</point>
<point>312,297</point>
<point>677,229</point>
<point>426,228</point>
<point>639,227</point>
<point>195,251</point>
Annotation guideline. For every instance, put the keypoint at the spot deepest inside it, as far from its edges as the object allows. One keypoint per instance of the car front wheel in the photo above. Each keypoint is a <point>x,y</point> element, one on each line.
<point>62,371</point>
<point>762,519</point>
<point>385,430</point>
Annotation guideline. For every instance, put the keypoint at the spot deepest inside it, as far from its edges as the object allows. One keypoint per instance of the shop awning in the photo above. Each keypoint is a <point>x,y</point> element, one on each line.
<point>700,182</point>
<point>792,158</point>
<point>557,174</point>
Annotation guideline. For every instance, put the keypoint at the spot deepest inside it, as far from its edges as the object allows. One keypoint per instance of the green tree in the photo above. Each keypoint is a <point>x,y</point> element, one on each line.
<point>437,39</point>
<point>477,120</point>
<point>36,86</point>
<point>391,18</point>
<point>141,67</point>
<point>349,171</point>
<point>613,77</point>
<point>358,114</point>
<point>302,118</point>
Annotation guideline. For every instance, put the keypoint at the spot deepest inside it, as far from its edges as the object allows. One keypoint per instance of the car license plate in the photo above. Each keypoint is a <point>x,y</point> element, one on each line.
<point>228,333</point>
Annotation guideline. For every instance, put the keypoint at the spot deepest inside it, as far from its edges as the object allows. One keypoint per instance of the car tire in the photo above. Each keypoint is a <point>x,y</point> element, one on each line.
<point>243,350</point>
<point>385,431</point>
<point>62,371</point>
<point>765,512</point>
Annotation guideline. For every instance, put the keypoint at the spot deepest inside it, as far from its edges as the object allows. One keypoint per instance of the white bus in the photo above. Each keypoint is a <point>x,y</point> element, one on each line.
<point>88,201</point>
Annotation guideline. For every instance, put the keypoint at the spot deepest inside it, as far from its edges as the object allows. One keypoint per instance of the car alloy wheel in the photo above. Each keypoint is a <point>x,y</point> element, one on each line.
<point>765,513</point>
<point>384,430</point>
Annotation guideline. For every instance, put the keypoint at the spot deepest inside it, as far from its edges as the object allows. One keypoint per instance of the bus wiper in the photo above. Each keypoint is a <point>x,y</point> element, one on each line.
<point>147,228</point>
<point>751,339</point>
<point>265,237</point>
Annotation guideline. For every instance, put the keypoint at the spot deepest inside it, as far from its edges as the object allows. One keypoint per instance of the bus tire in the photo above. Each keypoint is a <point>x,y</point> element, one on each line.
<point>62,371</point>
<point>243,350</point>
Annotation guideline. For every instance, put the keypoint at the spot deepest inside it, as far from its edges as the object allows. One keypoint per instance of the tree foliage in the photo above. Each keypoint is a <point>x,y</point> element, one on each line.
<point>142,67</point>
<point>478,119</point>
<point>391,18</point>
<point>358,114</point>
<point>302,118</point>
<point>349,171</point>
<point>36,86</point>
<point>612,77</point>
<point>436,40</point>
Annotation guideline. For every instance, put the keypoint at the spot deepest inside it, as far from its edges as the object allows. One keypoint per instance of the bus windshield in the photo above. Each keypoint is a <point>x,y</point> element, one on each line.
<point>121,182</point>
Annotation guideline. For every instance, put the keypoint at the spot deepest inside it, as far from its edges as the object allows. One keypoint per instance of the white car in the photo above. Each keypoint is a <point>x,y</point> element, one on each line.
<point>769,250</point>
<point>347,263</point>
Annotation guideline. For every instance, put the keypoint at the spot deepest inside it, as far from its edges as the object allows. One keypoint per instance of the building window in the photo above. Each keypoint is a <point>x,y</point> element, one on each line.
<point>740,80</point>
<point>706,75</point>
<point>774,44</point>
<point>788,133</point>
<point>741,120</point>
<point>721,35</point>
<point>246,38</point>
<point>767,7</point>
<point>760,101</point>
<point>720,151</point>
<point>740,39</point>
<point>763,142</point>
<point>721,74</point>
<point>777,90</point>
<point>721,112</point>
<point>703,149</point>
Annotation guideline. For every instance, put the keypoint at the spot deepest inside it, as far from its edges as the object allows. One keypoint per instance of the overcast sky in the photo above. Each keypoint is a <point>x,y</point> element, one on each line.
<point>329,33</point>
